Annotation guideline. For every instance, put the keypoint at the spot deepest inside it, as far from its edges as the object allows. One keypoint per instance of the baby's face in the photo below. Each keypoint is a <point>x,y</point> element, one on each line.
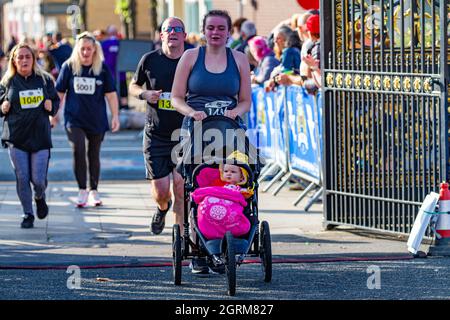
<point>232,174</point>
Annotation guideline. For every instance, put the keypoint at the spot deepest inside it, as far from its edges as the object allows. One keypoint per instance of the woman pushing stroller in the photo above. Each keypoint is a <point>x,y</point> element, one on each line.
<point>212,80</point>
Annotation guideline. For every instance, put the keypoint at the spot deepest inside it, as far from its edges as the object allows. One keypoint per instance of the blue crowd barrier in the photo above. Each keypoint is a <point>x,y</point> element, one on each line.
<point>292,140</point>
<point>303,133</point>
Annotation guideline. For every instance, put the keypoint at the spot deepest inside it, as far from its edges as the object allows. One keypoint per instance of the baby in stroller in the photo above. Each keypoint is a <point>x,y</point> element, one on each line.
<point>221,199</point>
<point>220,208</point>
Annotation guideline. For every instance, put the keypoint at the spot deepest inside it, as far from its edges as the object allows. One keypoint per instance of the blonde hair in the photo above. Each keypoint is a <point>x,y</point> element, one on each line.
<point>97,61</point>
<point>12,69</point>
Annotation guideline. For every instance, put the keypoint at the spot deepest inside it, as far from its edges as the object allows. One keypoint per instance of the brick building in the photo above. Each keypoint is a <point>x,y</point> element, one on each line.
<point>266,13</point>
<point>37,17</point>
<point>34,18</point>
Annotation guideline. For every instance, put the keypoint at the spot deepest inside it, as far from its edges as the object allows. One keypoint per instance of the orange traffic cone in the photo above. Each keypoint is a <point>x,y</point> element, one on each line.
<point>442,242</point>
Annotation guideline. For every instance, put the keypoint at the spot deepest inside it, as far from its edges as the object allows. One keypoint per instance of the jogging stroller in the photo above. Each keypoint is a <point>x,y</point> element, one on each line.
<point>231,250</point>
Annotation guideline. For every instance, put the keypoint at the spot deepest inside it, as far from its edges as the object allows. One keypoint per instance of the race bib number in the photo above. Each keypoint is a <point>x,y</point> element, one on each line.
<point>216,108</point>
<point>164,102</point>
<point>84,85</point>
<point>30,99</point>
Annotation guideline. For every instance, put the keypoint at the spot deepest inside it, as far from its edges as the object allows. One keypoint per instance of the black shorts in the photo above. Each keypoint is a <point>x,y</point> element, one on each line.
<point>158,167</point>
<point>157,155</point>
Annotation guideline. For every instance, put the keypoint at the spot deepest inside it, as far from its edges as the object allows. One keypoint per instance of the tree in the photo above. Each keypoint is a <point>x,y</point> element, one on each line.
<point>127,11</point>
<point>154,16</point>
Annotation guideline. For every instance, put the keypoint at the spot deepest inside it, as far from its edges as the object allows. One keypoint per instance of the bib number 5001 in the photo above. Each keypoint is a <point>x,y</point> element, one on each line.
<point>84,85</point>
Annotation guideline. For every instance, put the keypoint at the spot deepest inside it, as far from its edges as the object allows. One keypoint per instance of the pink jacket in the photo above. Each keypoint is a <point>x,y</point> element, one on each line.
<point>220,210</point>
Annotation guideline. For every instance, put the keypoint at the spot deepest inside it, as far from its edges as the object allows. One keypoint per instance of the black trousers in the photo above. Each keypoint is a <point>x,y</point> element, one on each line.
<point>77,138</point>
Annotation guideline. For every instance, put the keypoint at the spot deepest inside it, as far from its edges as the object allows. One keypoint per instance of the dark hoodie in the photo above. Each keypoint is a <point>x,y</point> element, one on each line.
<point>27,125</point>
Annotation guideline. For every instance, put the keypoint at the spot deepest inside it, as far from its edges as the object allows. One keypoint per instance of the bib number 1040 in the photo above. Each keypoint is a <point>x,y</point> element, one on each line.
<point>30,99</point>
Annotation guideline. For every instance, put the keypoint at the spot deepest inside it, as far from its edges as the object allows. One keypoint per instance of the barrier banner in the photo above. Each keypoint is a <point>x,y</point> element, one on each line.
<point>319,112</point>
<point>253,126</point>
<point>278,128</point>
<point>252,115</point>
<point>261,120</point>
<point>303,132</point>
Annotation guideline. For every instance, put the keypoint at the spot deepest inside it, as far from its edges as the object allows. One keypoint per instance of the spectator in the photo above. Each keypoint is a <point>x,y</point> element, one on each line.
<point>248,31</point>
<point>251,59</point>
<point>3,62</point>
<point>46,62</point>
<point>110,48</point>
<point>290,54</point>
<point>60,51</point>
<point>265,58</point>
<point>311,62</point>
<point>235,39</point>
<point>293,23</point>
<point>310,73</point>
<point>193,39</point>
<point>12,43</point>
<point>157,43</point>
<point>99,35</point>
<point>303,32</point>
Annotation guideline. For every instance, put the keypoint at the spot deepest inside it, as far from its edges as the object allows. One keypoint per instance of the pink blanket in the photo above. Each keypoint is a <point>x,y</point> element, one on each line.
<point>220,210</point>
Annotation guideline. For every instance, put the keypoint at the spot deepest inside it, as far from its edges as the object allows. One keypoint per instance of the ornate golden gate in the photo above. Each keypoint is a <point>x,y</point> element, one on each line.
<point>386,74</point>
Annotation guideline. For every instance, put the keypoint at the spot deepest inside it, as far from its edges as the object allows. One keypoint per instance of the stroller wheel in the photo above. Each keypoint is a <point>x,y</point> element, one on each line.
<point>265,252</point>
<point>176,254</point>
<point>230,263</point>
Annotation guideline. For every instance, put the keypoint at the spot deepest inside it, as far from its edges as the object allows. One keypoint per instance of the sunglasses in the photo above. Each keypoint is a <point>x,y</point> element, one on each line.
<point>176,29</point>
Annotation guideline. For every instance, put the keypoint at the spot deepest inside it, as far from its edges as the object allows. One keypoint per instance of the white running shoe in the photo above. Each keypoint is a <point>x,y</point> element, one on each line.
<point>95,198</point>
<point>82,198</point>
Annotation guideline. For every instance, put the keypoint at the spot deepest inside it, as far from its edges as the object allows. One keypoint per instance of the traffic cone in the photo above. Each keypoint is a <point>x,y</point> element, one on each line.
<point>442,242</point>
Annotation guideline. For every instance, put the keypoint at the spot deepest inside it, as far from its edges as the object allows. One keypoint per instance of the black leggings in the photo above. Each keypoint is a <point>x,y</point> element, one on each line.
<point>77,138</point>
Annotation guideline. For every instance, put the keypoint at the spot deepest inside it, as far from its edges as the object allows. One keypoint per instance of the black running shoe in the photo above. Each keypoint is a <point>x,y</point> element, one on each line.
<point>159,219</point>
<point>199,266</point>
<point>27,222</point>
<point>41,208</point>
<point>216,269</point>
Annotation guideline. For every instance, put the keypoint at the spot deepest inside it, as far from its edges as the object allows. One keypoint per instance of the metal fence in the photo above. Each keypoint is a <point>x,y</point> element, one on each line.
<point>386,113</point>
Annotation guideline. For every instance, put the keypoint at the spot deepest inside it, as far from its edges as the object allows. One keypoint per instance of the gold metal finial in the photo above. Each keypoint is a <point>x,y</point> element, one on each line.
<point>407,84</point>
<point>330,80</point>
<point>417,85</point>
<point>367,82</point>
<point>348,81</point>
<point>428,85</point>
<point>387,83</point>
<point>357,81</point>
<point>397,84</point>
<point>339,80</point>
<point>377,82</point>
